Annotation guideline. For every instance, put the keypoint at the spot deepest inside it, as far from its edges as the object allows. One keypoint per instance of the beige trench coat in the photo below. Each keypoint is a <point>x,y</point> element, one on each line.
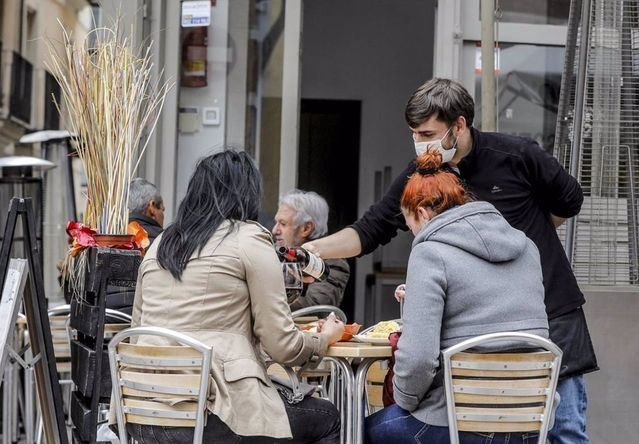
<point>232,297</point>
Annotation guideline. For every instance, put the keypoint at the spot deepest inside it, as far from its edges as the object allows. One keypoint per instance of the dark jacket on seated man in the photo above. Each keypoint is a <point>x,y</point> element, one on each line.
<point>152,228</point>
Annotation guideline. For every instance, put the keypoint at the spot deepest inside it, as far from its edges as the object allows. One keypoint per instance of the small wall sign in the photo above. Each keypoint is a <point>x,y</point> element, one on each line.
<point>196,13</point>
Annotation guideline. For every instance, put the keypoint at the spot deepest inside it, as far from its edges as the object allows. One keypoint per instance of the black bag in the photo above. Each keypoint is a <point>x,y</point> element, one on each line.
<point>292,394</point>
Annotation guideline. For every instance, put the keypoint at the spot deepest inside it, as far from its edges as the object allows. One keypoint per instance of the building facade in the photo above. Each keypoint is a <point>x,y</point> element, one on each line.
<point>26,86</point>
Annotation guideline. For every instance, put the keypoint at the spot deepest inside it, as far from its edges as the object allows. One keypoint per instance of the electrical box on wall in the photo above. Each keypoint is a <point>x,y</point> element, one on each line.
<point>188,120</point>
<point>211,115</point>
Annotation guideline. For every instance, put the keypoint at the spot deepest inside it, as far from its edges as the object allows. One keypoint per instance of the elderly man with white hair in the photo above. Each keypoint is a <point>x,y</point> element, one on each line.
<point>303,216</point>
<point>146,206</point>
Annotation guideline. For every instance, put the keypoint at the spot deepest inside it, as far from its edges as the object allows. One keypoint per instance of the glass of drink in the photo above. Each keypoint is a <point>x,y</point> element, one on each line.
<point>292,280</point>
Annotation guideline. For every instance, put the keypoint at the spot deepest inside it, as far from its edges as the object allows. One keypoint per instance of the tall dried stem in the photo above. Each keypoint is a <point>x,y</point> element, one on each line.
<point>112,106</point>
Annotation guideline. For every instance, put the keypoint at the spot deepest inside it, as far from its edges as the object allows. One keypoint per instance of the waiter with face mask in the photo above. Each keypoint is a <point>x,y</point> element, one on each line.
<point>531,190</point>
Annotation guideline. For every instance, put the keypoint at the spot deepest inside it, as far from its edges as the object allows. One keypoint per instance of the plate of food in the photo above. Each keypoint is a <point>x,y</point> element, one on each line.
<point>349,330</point>
<point>378,333</point>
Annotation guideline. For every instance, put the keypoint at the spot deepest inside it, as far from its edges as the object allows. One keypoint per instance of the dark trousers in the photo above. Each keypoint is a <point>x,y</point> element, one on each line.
<point>312,420</point>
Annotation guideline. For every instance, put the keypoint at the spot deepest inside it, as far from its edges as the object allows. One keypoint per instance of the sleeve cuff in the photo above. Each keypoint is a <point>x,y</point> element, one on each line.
<point>363,240</point>
<point>319,344</point>
<point>404,400</point>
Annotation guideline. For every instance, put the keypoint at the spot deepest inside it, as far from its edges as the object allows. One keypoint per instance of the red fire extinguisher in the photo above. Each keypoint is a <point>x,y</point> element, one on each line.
<point>194,49</point>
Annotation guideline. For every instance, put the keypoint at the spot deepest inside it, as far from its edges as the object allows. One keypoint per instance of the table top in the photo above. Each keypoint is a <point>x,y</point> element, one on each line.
<point>358,350</point>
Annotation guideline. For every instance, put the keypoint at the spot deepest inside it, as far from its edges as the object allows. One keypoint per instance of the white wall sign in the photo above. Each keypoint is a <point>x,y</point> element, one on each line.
<point>196,13</point>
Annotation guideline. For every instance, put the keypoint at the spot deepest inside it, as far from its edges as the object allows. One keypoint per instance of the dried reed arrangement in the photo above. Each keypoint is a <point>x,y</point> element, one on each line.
<point>111,105</point>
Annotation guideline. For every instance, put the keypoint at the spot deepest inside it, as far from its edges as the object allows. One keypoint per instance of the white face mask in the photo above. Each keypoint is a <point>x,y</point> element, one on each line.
<point>447,154</point>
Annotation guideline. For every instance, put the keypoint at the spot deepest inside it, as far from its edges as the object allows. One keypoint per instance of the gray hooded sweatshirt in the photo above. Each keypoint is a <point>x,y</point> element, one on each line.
<point>469,273</point>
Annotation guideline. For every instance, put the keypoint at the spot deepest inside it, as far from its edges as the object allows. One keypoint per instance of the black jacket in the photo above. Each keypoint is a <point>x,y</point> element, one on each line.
<point>527,185</point>
<point>152,228</point>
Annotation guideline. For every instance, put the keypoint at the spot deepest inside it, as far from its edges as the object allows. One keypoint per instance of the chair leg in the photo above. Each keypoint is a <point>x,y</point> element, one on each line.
<point>6,405</point>
<point>29,403</point>
<point>15,426</point>
<point>39,429</point>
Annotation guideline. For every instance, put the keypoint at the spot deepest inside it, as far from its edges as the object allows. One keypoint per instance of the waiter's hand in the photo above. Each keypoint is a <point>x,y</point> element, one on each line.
<point>311,248</point>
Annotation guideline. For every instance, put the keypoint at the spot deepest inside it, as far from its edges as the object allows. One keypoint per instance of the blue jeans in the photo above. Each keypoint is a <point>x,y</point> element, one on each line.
<point>570,418</point>
<point>396,425</point>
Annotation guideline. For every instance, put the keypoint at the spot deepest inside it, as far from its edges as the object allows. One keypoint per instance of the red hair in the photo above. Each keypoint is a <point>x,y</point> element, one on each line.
<point>432,187</point>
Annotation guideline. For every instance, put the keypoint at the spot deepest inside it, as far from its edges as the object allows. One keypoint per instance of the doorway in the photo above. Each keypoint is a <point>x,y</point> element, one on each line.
<point>328,164</point>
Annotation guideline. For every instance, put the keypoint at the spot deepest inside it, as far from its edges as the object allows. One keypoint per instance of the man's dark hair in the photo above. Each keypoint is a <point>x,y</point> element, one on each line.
<point>443,98</point>
<point>224,187</point>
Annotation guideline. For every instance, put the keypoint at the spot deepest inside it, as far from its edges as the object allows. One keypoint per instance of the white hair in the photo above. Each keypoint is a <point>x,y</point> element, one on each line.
<point>141,192</point>
<point>309,207</point>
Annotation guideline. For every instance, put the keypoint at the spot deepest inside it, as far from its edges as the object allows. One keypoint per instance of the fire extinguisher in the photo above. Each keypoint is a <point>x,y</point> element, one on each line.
<point>194,49</point>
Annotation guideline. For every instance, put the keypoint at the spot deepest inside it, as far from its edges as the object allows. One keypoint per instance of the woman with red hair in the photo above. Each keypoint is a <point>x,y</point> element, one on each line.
<point>469,273</point>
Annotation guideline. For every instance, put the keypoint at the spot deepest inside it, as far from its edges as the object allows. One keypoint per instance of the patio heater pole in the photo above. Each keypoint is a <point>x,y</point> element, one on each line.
<point>578,116</point>
<point>488,65</point>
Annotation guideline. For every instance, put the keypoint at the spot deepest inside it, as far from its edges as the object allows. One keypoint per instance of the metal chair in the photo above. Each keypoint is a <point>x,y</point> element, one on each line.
<point>501,392</point>
<point>143,374</point>
<point>60,336</point>
<point>375,386</point>
<point>317,309</point>
<point>322,371</point>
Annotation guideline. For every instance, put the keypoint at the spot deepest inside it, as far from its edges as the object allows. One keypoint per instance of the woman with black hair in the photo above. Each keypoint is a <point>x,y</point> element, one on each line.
<point>214,275</point>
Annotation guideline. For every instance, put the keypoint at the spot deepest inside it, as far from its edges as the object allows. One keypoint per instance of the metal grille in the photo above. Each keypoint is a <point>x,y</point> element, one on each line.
<point>605,241</point>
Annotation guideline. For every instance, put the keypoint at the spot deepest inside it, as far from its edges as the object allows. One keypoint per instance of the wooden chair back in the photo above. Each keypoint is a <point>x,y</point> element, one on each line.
<point>501,391</point>
<point>59,322</point>
<point>160,385</point>
<point>375,384</point>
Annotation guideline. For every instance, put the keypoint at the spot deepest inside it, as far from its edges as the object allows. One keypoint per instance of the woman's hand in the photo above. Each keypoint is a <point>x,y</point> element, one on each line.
<point>400,292</point>
<point>331,327</point>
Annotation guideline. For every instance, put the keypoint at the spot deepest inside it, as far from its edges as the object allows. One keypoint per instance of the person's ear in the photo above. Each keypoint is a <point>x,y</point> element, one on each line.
<point>151,209</point>
<point>423,213</point>
<point>461,124</point>
<point>307,229</point>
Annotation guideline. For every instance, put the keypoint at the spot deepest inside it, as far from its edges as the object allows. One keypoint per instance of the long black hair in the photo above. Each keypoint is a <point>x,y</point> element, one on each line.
<point>224,186</point>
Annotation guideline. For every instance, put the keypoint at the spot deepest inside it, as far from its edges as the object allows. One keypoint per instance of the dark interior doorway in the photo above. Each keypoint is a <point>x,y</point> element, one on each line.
<point>329,165</point>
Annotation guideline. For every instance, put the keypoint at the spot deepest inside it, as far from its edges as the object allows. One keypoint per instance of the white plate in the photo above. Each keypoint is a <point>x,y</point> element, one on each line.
<point>369,340</point>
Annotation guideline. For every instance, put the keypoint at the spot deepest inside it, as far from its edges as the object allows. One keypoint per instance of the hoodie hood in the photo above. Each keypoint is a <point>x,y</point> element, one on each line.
<point>479,229</point>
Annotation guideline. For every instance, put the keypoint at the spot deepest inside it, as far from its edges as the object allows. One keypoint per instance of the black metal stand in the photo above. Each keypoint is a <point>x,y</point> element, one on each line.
<point>35,306</point>
<point>89,357</point>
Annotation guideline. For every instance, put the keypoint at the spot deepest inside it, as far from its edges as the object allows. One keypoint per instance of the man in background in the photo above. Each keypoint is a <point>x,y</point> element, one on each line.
<point>301,217</point>
<point>146,207</point>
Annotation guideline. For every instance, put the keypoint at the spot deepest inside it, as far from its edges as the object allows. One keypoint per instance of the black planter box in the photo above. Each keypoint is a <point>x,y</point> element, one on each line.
<point>81,417</point>
<point>89,356</point>
<point>83,370</point>
<point>85,318</point>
